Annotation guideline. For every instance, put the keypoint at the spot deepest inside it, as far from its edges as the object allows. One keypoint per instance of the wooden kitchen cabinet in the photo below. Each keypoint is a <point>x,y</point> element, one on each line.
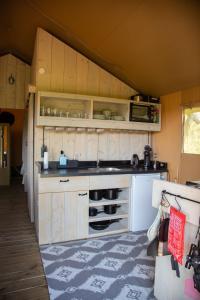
<point>62,216</point>
<point>74,110</point>
<point>62,207</point>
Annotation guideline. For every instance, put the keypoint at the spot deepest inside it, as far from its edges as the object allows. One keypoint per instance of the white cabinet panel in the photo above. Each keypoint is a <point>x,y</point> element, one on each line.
<point>63,216</point>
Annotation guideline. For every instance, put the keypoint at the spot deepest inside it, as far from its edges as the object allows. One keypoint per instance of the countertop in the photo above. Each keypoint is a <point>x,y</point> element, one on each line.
<point>53,172</point>
<point>194,183</point>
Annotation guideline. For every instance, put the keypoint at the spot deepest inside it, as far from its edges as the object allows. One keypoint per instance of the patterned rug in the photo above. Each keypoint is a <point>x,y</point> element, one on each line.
<point>106,268</point>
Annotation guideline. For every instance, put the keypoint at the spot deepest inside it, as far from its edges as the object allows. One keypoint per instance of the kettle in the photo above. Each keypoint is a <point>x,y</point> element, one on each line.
<point>135,160</point>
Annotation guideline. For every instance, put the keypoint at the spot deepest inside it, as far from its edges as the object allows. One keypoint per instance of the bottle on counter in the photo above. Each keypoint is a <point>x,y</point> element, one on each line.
<point>45,159</point>
<point>62,159</point>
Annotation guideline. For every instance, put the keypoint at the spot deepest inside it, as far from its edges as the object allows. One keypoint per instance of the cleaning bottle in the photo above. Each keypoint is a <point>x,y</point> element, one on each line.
<point>62,159</point>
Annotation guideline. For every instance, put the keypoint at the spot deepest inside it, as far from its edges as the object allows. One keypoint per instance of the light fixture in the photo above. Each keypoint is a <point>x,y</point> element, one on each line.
<point>11,79</point>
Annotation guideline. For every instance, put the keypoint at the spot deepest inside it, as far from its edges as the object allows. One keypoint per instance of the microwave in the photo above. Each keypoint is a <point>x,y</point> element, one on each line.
<point>142,113</point>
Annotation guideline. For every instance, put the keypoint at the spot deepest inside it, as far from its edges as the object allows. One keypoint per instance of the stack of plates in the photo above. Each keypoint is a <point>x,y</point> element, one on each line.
<point>99,116</point>
<point>118,118</point>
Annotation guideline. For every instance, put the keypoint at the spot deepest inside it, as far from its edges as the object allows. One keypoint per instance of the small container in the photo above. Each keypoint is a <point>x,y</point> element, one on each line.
<point>45,159</point>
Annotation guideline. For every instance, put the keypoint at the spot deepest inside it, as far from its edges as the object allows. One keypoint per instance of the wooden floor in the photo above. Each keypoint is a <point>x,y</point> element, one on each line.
<point>21,271</point>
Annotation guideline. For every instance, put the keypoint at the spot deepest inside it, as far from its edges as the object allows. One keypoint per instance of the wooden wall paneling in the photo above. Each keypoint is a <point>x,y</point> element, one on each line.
<point>57,143</point>
<point>82,74</point>
<point>27,81</point>
<point>92,146</point>
<point>69,144</point>
<point>38,140</point>
<point>86,145</point>
<point>30,157</point>
<point>81,145</point>
<point>48,141</point>
<point>20,83</point>
<point>57,225</point>
<point>103,146</point>
<point>43,63</point>
<point>11,88</point>
<point>57,67</point>
<point>93,79</point>
<point>13,95</point>
<point>115,87</point>
<point>70,70</point>
<point>124,145</point>
<point>113,145</point>
<point>104,83</point>
<point>125,92</point>
<point>138,141</point>
<point>34,63</point>
<point>3,80</point>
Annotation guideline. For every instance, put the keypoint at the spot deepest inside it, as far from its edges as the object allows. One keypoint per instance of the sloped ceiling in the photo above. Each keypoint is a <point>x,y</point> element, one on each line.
<point>153,45</point>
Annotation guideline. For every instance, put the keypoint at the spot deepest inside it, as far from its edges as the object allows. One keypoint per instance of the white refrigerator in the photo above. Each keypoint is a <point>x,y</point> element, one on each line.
<point>142,213</point>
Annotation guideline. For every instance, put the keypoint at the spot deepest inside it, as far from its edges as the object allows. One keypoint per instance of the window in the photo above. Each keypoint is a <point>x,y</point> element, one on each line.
<point>191,136</point>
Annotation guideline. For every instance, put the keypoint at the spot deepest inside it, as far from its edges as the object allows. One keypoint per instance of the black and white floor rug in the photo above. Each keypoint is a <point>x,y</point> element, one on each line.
<point>106,268</point>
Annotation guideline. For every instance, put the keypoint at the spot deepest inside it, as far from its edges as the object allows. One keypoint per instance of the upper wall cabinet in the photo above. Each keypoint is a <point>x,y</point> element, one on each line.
<point>73,110</point>
<point>14,78</point>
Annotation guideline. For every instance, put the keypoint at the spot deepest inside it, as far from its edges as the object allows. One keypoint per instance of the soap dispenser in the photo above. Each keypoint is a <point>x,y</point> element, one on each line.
<point>62,159</point>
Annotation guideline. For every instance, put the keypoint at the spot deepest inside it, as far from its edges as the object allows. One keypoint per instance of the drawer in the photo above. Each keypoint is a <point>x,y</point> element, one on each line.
<point>63,184</point>
<point>109,181</point>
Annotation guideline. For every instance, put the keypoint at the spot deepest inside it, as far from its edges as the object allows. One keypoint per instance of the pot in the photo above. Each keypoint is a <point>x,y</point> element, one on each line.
<point>96,195</point>
<point>111,209</point>
<point>93,211</point>
<point>101,225</point>
<point>111,194</point>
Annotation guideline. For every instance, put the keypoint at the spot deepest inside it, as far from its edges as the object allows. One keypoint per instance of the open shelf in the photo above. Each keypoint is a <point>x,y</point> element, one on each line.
<point>119,227</point>
<point>74,110</point>
<point>93,203</point>
<point>103,216</point>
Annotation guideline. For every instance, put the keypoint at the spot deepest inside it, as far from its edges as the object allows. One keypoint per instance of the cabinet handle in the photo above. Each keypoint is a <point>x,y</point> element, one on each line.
<point>67,180</point>
<point>82,194</point>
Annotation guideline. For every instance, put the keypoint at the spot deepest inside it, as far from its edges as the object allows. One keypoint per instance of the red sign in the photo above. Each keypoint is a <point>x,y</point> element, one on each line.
<point>176,234</point>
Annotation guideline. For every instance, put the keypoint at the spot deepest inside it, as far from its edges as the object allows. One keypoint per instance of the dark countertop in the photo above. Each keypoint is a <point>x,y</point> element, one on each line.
<point>53,172</point>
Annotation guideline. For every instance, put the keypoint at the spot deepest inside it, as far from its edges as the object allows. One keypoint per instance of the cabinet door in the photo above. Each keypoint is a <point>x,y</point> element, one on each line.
<point>44,218</point>
<point>57,217</point>
<point>63,216</point>
<point>76,215</point>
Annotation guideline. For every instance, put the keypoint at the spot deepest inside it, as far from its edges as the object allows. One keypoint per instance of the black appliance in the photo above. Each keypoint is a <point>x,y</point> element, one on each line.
<point>143,113</point>
<point>147,156</point>
<point>135,161</point>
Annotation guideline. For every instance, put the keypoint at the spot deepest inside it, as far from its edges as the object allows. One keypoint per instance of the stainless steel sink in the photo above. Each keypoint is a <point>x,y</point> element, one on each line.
<point>110,169</point>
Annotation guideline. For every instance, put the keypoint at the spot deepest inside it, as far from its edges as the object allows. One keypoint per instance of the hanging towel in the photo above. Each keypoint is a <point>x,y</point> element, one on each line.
<point>176,234</point>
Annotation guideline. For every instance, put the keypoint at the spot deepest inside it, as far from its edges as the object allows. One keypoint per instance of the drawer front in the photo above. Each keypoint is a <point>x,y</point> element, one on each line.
<point>63,184</point>
<point>109,181</point>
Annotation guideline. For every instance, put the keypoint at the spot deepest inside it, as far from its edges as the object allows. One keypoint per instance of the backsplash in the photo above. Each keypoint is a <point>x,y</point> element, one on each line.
<point>84,145</point>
